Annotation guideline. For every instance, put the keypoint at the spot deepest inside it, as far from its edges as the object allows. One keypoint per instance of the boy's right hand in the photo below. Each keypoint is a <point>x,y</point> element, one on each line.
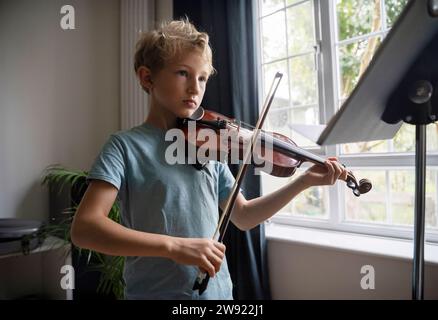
<point>207,254</point>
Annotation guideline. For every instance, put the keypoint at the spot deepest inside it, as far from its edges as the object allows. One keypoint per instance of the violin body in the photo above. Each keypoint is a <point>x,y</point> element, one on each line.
<point>230,145</point>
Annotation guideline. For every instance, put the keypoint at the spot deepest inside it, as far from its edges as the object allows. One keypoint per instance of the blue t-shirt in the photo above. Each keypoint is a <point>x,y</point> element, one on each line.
<point>156,197</point>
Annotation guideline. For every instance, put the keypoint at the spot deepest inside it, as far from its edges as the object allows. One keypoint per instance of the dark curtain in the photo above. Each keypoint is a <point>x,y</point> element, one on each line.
<point>233,91</point>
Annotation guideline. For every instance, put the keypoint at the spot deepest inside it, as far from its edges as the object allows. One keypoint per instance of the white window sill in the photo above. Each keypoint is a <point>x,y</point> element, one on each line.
<point>365,244</point>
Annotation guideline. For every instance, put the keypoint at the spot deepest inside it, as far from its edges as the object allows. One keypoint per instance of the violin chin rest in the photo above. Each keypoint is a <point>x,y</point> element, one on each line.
<point>198,114</point>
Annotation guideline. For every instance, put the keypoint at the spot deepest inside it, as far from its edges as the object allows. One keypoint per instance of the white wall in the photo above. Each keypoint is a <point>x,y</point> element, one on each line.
<point>59,94</point>
<point>163,11</point>
<point>301,271</point>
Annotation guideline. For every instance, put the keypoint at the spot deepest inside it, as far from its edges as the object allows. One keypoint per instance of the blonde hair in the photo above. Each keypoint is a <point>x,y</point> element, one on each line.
<point>157,47</point>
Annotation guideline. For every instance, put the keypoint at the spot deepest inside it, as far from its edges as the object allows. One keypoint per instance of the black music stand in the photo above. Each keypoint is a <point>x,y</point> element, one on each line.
<point>400,84</point>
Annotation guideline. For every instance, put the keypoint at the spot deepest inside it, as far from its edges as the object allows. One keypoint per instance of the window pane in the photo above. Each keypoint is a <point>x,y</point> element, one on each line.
<point>402,194</point>
<point>281,121</point>
<point>392,202</point>
<point>353,61</point>
<point>269,6</point>
<point>303,75</point>
<point>432,198</point>
<point>311,203</point>
<point>300,28</point>
<point>305,115</point>
<point>270,183</point>
<point>357,17</point>
<point>369,207</point>
<point>274,37</point>
<point>377,146</point>
<point>278,121</point>
<point>432,137</point>
<point>393,10</point>
<point>403,197</point>
<point>290,2</point>
<point>404,141</point>
<point>281,98</point>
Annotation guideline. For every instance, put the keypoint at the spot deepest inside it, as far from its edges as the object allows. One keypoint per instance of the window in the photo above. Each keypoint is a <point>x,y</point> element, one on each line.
<point>322,48</point>
<point>290,49</point>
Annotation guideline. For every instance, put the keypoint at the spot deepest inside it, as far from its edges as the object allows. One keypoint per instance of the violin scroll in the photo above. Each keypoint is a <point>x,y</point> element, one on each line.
<point>358,188</point>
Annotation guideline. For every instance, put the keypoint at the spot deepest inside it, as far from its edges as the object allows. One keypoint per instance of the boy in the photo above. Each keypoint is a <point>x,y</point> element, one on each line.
<point>170,212</point>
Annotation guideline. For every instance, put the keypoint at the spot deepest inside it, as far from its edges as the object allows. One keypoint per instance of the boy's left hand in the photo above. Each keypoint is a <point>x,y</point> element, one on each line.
<point>318,175</point>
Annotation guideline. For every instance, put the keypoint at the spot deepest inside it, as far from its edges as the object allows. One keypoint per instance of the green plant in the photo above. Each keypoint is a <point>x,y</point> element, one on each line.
<point>110,267</point>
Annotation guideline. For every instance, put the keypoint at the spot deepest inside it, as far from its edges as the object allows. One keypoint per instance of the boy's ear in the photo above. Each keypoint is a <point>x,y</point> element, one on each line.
<point>145,76</point>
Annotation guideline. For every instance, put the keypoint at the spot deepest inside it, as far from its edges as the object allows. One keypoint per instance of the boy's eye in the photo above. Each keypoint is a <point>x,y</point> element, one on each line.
<point>203,79</point>
<point>182,73</point>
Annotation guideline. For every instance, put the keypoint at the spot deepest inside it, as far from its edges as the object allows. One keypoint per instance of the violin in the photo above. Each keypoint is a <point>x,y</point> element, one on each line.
<point>285,155</point>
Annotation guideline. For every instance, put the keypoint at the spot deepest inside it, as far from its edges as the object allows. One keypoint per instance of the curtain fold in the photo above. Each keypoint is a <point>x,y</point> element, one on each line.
<point>234,93</point>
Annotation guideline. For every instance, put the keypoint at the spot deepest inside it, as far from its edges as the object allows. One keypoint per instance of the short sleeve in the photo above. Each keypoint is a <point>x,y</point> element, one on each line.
<point>226,181</point>
<point>109,165</point>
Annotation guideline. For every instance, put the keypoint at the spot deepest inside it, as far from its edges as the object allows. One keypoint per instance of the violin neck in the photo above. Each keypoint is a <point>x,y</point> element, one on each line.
<point>293,151</point>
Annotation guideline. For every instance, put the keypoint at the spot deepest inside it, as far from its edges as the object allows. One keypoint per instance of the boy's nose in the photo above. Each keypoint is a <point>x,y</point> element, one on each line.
<point>194,87</point>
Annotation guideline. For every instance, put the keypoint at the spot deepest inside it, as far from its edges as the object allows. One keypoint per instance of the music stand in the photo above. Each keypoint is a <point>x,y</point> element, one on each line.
<point>400,84</point>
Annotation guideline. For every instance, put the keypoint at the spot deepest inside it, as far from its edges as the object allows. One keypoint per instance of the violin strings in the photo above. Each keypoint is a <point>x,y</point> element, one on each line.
<point>284,145</point>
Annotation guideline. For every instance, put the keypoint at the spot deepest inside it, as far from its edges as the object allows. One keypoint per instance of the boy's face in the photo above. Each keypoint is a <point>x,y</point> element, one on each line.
<point>180,85</point>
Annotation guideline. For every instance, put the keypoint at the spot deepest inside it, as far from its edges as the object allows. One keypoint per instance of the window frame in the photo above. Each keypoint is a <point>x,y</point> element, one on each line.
<point>329,99</point>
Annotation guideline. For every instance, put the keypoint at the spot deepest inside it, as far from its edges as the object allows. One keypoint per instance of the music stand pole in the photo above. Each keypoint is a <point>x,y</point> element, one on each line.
<point>420,197</point>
